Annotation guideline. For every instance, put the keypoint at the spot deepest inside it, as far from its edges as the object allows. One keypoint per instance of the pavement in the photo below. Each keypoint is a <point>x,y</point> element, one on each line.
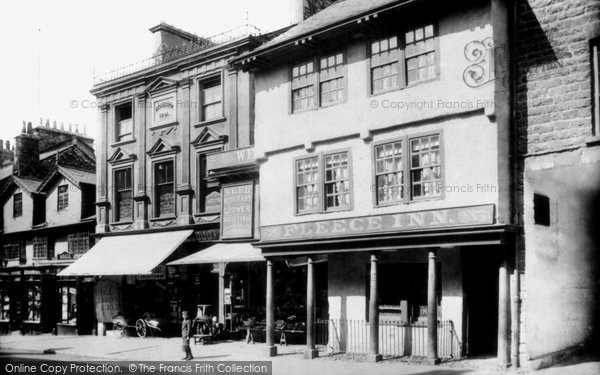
<point>288,361</point>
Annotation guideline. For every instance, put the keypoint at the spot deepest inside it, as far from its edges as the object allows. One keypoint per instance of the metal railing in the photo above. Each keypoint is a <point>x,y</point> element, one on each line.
<point>167,55</point>
<point>396,339</point>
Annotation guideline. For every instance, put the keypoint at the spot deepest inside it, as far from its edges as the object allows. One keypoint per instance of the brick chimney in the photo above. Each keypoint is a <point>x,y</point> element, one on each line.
<point>168,37</point>
<point>302,9</point>
<point>27,154</point>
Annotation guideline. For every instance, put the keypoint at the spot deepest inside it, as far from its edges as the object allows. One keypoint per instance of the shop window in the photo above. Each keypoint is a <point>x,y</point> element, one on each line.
<point>303,86</point>
<point>40,247</point>
<point>212,99</point>
<point>123,122</point>
<point>63,197</point>
<point>541,209</point>
<point>68,303</point>
<point>426,167</point>
<point>334,183</point>
<point>123,195</point>
<point>34,303</point>
<point>389,172</point>
<point>18,205</point>
<point>165,189</point>
<point>4,306</point>
<point>79,243</point>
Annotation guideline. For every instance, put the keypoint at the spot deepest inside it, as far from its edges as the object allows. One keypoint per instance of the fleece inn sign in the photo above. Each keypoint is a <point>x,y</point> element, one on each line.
<point>449,217</point>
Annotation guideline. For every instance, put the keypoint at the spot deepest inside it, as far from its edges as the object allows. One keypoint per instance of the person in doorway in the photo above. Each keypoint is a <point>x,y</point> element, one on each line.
<point>186,333</point>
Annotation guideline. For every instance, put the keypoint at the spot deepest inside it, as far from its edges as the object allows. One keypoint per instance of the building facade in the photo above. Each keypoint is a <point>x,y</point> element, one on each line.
<point>47,216</point>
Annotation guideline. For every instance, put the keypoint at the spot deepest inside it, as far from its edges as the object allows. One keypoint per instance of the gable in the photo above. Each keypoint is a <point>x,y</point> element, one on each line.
<point>208,137</point>
<point>161,84</point>
<point>162,147</point>
<point>121,156</point>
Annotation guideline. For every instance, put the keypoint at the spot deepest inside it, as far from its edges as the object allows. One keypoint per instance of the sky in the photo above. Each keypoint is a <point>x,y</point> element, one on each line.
<point>51,49</point>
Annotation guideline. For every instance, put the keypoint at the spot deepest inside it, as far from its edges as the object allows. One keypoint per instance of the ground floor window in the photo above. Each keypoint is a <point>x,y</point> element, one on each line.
<point>34,303</point>
<point>4,305</point>
<point>68,303</point>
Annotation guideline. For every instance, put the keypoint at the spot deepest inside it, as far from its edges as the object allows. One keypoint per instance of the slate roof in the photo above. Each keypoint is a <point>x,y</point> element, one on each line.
<point>77,175</point>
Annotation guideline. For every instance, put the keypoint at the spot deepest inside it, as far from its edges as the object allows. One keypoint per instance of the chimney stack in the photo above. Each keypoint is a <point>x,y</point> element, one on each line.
<point>7,145</point>
<point>1,144</point>
<point>302,9</point>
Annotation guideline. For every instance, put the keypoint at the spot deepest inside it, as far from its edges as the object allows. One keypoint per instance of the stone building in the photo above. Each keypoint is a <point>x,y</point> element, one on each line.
<point>47,194</point>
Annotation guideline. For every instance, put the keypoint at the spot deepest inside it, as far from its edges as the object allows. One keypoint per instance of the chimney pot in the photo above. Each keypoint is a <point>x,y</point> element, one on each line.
<point>41,121</point>
<point>76,128</point>
<point>29,128</point>
<point>24,128</point>
<point>47,122</point>
<point>1,144</point>
<point>62,126</point>
<point>7,145</point>
<point>70,128</point>
<point>84,129</point>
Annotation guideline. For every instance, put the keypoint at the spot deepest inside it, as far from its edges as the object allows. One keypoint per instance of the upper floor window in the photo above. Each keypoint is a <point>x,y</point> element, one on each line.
<point>79,243</point>
<point>123,122</point>
<point>212,99</point>
<point>420,157</point>
<point>165,189</point>
<point>40,247</point>
<point>323,188</point>
<point>18,205</point>
<point>209,192</point>
<point>14,250</point>
<point>396,62</point>
<point>389,172</point>
<point>596,84</point>
<point>123,195</point>
<point>63,197</point>
<point>419,53</point>
<point>426,167</point>
<point>331,79</point>
<point>303,86</point>
<point>385,65</point>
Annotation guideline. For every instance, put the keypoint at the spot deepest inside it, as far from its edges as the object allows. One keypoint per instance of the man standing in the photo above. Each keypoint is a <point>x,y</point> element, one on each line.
<point>186,333</point>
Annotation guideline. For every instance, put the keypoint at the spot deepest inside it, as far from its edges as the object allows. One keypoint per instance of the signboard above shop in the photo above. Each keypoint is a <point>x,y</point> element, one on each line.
<point>405,221</point>
<point>237,212</point>
<point>230,159</point>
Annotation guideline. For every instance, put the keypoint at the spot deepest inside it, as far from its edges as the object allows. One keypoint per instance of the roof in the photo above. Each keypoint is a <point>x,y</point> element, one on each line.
<point>339,11</point>
<point>27,184</point>
<point>75,176</point>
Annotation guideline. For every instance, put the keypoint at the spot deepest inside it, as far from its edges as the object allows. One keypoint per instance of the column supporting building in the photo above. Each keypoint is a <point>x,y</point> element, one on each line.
<point>374,355</point>
<point>432,336</point>
<point>310,351</point>
<point>271,350</point>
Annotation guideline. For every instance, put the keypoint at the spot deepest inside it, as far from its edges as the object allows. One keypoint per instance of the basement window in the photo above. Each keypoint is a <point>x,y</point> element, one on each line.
<point>541,210</point>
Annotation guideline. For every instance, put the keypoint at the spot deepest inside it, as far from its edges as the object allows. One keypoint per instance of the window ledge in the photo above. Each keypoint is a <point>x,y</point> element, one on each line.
<point>121,222</point>
<point>166,125</point>
<point>164,218</point>
<point>121,143</point>
<point>210,122</point>
<point>593,141</point>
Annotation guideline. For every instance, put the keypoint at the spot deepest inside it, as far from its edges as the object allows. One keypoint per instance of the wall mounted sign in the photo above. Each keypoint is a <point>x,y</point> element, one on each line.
<point>237,211</point>
<point>207,235</point>
<point>406,221</point>
<point>229,159</point>
<point>107,300</point>
<point>213,202</point>
<point>163,110</point>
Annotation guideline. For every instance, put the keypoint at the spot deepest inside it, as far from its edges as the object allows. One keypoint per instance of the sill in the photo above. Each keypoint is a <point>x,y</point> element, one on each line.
<point>165,125</point>
<point>210,122</point>
<point>386,91</point>
<point>342,209</point>
<point>436,78</point>
<point>303,110</point>
<point>121,222</point>
<point>388,204</point>
<point>163,218</point>
<point>426,199</point>
<point>332,104</point>
<point>593,141</point>
<point>121,143</point>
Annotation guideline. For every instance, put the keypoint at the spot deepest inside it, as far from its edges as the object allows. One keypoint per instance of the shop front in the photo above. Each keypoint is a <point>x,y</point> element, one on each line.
<point>427,284</point>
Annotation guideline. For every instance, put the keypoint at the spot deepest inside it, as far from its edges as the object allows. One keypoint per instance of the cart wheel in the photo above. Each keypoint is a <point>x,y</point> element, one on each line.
<point>140,327</point>
<point>119,329</point>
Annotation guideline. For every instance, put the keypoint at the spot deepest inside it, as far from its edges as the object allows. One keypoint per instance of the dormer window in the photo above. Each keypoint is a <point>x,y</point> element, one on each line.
<point>63,197</point>
<point>124,122</point>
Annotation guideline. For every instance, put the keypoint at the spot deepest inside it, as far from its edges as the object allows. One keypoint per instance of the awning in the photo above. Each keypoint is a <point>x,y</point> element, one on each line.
<point>134,254</point>
<point>223,252</point>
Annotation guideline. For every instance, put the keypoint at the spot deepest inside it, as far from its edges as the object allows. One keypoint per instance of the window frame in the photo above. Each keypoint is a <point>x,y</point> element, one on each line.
<point>595,67</point>
<point>201,83</point>
<point>58,197</point>
<point>322,206</point>
<point>40,241</point>
<point>156,203</point>
<point>340,72</point>
<point>406,165</point>
<point>304,84</point>
<point>125,137</point>
<point>200,153</point>
<point>20,212</point>
<point>116,212</point>
<point>403,72</point>
<point>74,240</point>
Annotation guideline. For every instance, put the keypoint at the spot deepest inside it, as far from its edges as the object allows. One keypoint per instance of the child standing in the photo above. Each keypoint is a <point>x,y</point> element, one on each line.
<point>186,333</point>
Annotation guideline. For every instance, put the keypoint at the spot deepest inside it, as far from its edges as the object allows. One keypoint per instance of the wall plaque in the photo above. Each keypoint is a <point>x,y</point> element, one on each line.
<point>237,211</point>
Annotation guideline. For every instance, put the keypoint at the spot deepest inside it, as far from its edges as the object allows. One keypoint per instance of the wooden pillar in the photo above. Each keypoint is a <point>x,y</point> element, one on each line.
<point>222,266</point>
<point>310,351</point>
<point>432,337</point>
<point>271,348</point>
<point>503,314</point>
<point>374,355</point>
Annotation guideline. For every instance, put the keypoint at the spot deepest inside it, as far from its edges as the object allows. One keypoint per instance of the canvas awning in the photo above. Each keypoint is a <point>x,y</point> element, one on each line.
<point>134,254</point>
<point>223,252</point>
